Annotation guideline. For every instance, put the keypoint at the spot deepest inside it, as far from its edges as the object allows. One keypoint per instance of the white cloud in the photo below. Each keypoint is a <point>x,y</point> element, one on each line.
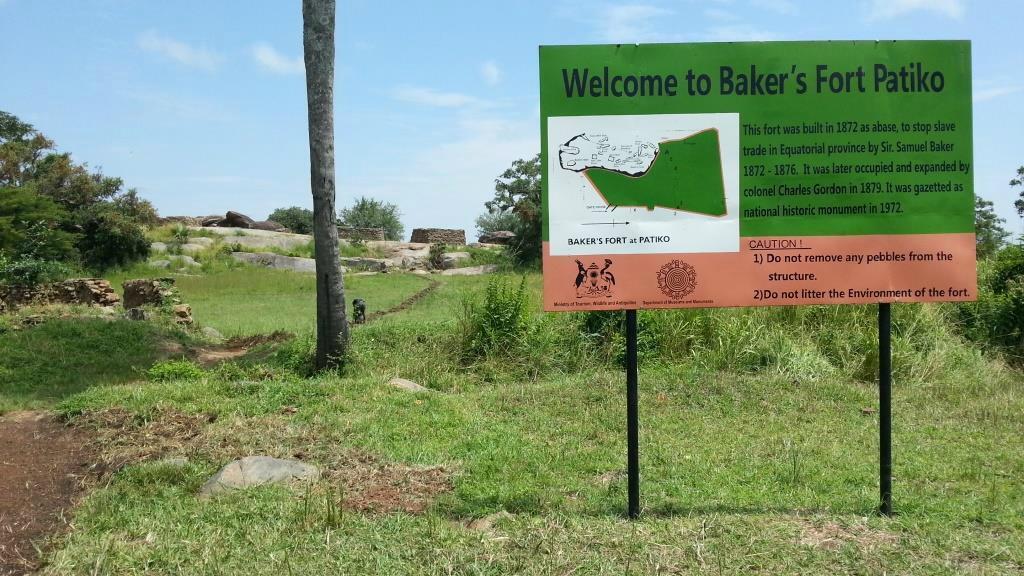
<point>986,94</point>
<point>153,41</point>
<point>784,7</point>
<point>490,72</point>
<point>270,59</point>
<point>632,23</point>
<point>886,9</point>
<point>436,98</point>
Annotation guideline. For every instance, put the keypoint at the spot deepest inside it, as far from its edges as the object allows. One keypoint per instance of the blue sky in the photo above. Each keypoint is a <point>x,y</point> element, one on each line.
<point>201,104</point>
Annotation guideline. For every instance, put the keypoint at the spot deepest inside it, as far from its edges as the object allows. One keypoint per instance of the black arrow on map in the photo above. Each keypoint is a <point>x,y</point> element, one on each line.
<point>612,223</point>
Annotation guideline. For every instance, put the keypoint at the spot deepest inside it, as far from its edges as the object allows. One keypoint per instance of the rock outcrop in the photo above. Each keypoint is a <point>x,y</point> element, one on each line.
<point>277,261</point>
<point>503,237</point>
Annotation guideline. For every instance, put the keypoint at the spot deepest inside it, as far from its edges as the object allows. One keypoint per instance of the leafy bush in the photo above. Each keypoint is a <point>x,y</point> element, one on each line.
<point>498,324</point>
<point>496,221</point>
<point>298,220</point>
<point>109,239</point>
<point>370,213</point>
<point>997,317</point>
<point>29,226</point>
<point>175,371</point>
<point>31,271</point>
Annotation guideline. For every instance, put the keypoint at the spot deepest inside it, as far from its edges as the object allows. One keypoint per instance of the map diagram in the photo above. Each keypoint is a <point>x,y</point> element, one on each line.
<point>642,184</point>
<point>682,174</point>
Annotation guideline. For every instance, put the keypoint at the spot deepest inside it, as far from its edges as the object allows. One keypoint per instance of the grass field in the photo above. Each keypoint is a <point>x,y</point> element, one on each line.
<point>759,467</point>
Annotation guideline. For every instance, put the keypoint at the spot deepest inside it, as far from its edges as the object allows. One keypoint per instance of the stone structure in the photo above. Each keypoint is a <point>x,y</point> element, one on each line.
<point>353,233</point>
<point>86,291</point>
<point>148,292</point>
<point>451,237</point>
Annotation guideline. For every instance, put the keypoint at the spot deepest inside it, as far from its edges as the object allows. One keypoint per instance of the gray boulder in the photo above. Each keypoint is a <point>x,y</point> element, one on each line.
<point>269,225</point>
<point>192,248</point>
<point>256,471</point>
<point>157,247</point>
<point>365,264</point>
<point>407,385</point>
<point>498,237</point>
<point>237,220</point>
<point>182,260</point>
<point>202,241</point>
<point>277,261</point>
<point>160,263</point>
<point>452,259</point>
<point>212,333</point>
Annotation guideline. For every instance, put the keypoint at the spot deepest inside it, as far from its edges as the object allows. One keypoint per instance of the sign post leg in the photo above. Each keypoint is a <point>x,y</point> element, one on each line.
<point>632,417</point>
<point>885,408</point>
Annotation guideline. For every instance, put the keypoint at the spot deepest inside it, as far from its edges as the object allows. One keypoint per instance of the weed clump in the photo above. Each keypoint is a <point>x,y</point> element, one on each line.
<point>175,371</point>
<point>497,325</point>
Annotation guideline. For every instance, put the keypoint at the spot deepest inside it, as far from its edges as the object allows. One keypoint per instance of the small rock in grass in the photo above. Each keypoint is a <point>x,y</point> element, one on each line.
<point>486,524</point>
<point>212,333</point>
<point>157,247</point>
<point>255,471</point>
<point>160,263</point>
<point>408,385</point>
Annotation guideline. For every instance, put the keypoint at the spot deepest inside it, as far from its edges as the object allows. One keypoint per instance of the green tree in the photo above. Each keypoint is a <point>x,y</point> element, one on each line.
<point>517,191</point>
<point>988,229</point>
<point>496,221</point>
<point>29,226</point>
<point>370,213</point>
<point>1018,182</point>
<point>21,149</point>
<point>298,220</point>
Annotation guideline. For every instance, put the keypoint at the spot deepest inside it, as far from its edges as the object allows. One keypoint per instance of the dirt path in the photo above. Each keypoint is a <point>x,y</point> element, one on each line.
<point>42,464</point>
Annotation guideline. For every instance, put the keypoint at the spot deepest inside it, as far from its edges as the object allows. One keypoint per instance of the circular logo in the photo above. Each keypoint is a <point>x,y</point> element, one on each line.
<point>677,279</point>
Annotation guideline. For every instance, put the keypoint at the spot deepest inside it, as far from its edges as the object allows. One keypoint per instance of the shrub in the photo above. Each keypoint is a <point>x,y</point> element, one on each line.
<point>298,220</point>
<point>31,271</point>
<point>436,259</point>
<point>175,371</point>
<point>499,324</point>
<point>496,221</point>
<point>109,239</point>
<point>997,317</point>
<point>370,213</point>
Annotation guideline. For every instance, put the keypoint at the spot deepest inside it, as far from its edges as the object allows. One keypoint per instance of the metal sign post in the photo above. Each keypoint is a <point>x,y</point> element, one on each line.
<point>632,418</point>
<point>885,408</point>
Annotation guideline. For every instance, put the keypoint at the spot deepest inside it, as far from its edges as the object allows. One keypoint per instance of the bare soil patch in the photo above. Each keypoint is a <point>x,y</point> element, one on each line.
<point>43,466</point>
<point>364,482</point>
<point>831,535</point>
<point>238,346</point>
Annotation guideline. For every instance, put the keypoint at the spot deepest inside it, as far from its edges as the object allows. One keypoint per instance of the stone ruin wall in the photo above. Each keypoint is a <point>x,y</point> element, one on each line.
<point>351,233</point>
<point>87,291</point>
<point>449,236</point>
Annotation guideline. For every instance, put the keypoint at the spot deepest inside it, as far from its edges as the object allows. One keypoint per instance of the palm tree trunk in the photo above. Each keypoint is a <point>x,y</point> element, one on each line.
<point>318,46</point>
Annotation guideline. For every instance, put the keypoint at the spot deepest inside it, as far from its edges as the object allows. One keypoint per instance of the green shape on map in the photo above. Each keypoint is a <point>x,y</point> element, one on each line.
<point>686,175</point>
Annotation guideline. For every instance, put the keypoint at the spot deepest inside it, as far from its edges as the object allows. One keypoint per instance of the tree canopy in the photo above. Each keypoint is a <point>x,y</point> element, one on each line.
<point>370,213</point>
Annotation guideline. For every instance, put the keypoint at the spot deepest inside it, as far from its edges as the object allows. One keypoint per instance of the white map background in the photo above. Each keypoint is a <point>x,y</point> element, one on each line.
<point>576,210</point>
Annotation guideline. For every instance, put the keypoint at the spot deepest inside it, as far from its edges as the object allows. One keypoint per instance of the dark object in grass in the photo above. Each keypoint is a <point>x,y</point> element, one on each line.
<point>359,311</point>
